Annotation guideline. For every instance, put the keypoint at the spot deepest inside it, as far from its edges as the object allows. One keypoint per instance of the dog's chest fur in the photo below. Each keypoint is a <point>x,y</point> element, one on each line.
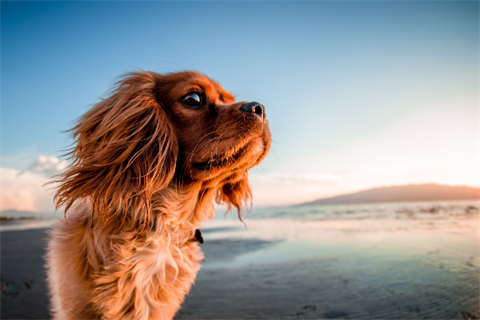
<point>129,275</point>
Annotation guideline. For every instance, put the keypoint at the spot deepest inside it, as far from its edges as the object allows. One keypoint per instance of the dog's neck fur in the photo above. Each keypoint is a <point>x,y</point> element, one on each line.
<point>175,210</point>
<point>183,209</point>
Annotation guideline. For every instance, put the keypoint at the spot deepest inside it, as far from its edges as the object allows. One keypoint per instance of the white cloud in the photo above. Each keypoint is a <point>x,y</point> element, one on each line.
<point>25,192</point>
<point>48,166</point>
<point>433,144</point>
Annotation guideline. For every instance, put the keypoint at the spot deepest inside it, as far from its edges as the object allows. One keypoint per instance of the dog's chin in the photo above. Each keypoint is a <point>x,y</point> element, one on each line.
<point>240,158</point>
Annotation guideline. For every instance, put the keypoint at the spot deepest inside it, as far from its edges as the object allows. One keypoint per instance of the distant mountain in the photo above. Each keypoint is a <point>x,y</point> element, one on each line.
<point>414,192</point>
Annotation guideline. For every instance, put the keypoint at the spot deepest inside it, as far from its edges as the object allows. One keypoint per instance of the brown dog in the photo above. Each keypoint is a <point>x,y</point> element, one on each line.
<point>148,163</point>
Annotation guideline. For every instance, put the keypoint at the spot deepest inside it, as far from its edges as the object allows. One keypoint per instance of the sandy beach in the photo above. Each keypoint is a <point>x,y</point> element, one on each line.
<point>300,269</point>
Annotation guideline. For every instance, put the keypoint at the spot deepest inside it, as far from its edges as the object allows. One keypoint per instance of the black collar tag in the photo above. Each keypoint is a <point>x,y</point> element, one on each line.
<point>198,236</point>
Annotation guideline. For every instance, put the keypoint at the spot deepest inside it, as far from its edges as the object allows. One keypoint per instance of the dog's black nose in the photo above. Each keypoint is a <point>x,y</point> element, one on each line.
<point>255,108</point>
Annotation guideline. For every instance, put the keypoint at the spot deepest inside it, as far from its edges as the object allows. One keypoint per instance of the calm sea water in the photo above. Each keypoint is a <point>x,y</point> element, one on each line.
<point>397,210</point>
<point>436,210</point>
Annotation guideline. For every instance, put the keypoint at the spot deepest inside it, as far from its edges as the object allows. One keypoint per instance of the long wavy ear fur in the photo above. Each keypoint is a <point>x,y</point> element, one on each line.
<point>236,194</point>
<point>125,150</point>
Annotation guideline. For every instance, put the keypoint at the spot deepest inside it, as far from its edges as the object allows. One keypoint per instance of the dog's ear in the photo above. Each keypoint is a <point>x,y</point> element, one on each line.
<point>125,150</point>
<point>236,193</point>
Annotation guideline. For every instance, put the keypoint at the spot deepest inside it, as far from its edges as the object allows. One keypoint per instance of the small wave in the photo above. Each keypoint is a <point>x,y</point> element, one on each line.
<point>402,210</point>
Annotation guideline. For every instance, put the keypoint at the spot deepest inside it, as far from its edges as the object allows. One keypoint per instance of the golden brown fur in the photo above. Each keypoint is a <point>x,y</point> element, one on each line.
<point>147,166</point>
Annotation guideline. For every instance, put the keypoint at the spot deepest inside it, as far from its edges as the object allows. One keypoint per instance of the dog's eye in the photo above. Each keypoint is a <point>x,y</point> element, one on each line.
<point>193,100</point>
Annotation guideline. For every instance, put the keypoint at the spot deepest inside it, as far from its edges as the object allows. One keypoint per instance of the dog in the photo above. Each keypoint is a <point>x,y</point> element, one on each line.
<point>148,163</point>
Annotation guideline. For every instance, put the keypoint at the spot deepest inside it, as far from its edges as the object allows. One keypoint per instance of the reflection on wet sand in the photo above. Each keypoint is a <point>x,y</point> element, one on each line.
<point>424,265</point>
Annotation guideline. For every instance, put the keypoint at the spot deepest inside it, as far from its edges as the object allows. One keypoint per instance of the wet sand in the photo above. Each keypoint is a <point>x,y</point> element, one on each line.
<point>298,270</point>
<point>357,269</point>
<point>24,289</point>
<point>333,288</point>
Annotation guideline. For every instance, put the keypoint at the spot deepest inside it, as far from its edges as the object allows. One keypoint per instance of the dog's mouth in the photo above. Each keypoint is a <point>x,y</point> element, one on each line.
<point>237,153</point>
<point>220,161</point>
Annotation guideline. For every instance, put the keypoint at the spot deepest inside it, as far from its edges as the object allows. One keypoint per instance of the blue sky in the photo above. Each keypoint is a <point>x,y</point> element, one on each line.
<point>340,81</point>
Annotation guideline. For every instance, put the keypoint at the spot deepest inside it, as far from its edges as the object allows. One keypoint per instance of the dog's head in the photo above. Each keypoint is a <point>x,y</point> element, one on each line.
<point>158,131</point>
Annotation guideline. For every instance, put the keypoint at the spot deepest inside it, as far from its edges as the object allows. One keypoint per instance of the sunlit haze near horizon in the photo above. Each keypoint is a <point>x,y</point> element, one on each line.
<point>358,94</point>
